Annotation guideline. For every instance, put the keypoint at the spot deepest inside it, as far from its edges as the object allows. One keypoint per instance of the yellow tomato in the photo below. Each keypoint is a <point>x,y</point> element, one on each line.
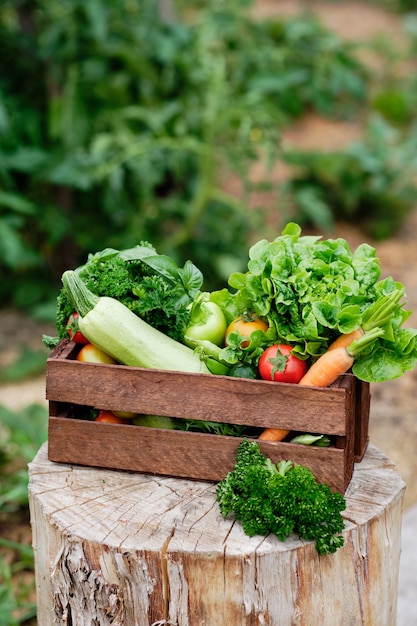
<point>245,326</point>
<point>92,354</point>
<point>127,415</point>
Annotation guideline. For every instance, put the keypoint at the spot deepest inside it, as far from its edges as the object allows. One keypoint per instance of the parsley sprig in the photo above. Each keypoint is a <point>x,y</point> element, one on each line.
<point>281,499</point>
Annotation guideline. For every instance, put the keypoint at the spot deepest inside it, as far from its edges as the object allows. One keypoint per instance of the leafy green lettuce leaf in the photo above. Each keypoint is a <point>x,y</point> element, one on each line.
<point>311,290</point>
<point>388,360</point>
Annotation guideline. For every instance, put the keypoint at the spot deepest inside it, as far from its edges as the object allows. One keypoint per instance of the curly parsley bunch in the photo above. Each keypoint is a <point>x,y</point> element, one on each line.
<point>281,499</point>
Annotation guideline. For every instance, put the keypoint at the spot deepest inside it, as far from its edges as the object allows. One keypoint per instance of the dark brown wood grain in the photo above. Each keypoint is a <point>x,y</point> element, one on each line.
<point>362,410</point>
<point>176,453</point>
<point>200,396</point>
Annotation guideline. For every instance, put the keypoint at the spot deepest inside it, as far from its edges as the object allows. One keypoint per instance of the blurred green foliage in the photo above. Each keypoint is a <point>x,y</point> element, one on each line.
<point>120,121</point>
<point>399,6</point>
<point>29,362</point>
<point>371,182</point>
<point>22,433</point>
<point>141,120</point>
<point>16,585</point>
<point>125,120</point>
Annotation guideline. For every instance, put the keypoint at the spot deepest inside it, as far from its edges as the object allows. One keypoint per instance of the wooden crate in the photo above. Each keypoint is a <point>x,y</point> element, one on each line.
<point>71,386</point>
<point>362,410</point>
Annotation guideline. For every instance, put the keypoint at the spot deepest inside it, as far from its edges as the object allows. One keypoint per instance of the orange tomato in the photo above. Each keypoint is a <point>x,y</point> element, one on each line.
<point>109,417</point>
<point>245,326</point>
<point>92,354</point>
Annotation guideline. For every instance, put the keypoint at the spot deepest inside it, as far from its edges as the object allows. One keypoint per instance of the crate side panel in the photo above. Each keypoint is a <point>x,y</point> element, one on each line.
<point>174,453</point>
<point>199,396</point>
<point>64,350</point>
<point>362,412</point>
<point>349,440</point>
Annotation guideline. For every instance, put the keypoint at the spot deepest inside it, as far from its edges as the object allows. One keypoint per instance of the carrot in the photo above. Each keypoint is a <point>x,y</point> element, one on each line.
<point>376,315</point>
<point>340,355</point>
<point>273,434</point>
<point>328,367</point>
<point>337,361</point>
<point>343,341</point>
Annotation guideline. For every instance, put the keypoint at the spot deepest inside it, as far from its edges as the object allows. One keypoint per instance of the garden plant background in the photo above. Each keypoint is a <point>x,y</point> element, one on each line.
<point>200,127</point>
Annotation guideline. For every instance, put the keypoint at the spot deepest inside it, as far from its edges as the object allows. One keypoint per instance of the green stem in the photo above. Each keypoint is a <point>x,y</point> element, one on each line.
<point>208,347</point>
<point>82,299</point>
<point>381,311</point>
<point>199,203</point>
<point>365,341</point>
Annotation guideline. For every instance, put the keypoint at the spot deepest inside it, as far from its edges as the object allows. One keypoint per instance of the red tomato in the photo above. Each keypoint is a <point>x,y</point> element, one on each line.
<point>109,417</point>
<point>73,330</point>
<point>92,354</point>
<point>278,364</point>
<point>245,326</point>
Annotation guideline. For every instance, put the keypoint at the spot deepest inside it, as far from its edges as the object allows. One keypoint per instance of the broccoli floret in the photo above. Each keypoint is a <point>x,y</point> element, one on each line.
<point>281,499</point>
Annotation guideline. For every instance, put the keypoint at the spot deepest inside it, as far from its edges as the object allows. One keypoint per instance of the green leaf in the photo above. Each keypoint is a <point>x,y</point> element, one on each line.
<point>388,361</point>
<point>192,278</point>
<point>28,159</point>
<point>13,251</point>
<point>16,203</point>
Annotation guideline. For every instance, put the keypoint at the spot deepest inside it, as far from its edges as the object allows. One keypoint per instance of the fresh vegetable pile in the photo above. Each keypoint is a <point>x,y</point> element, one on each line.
<point>113,328</point>
<point>299,296</point>
<point>306,311</point>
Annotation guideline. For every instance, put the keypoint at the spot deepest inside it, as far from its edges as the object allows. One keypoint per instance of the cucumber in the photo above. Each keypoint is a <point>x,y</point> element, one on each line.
<point>115,329</point>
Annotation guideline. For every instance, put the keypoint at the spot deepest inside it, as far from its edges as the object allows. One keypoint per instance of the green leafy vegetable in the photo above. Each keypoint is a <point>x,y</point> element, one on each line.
<point>313,290</point>
<point>307,439</point>
<point>281,499</point>
<point>214,428</point>
<point>149,284</point>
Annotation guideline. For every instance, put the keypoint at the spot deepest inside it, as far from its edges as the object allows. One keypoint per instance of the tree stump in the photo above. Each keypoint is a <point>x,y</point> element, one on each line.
<point>114,548</point>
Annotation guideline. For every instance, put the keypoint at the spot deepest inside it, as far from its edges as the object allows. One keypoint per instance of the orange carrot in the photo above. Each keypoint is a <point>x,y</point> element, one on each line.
<point>337,361</point>
<point>328,368</point>
<point>273,434</point>
<point>376,315</point>
<point>343,341</point>
<point>322,373</point>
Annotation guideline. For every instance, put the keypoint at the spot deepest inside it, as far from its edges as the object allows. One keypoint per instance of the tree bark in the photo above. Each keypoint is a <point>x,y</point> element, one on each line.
<point>124,549</point>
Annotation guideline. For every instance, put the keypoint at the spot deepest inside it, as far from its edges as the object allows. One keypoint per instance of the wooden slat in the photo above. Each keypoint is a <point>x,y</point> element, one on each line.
<point>199,396</point>
<point>362,410</point>
<point>175,453</point>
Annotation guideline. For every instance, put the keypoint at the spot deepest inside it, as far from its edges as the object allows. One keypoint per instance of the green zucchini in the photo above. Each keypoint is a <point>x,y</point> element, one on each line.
<point>115,329</point>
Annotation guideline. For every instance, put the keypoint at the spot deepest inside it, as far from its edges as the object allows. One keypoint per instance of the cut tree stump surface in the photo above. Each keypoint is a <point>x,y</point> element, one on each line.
<point>114,548</point>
